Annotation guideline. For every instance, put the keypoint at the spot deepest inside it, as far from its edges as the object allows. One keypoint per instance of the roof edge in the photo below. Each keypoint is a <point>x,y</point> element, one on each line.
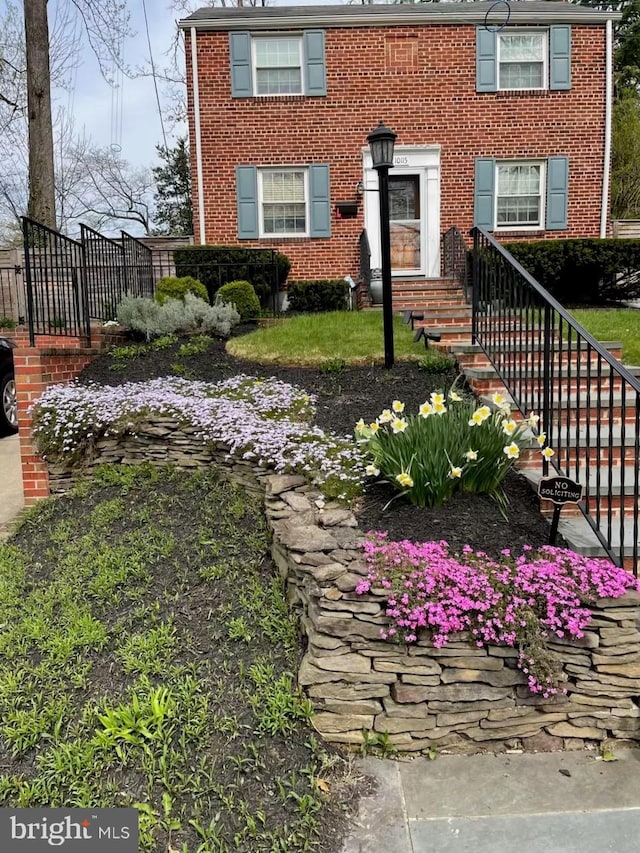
<point>395,16</point>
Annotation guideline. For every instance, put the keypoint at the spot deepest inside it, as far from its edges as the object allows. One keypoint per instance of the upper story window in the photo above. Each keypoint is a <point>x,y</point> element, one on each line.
<point>520,59</point>
<point>277,66</point>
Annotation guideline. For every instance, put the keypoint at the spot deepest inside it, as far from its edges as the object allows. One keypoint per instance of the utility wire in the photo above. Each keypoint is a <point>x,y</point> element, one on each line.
<point>153,73</point>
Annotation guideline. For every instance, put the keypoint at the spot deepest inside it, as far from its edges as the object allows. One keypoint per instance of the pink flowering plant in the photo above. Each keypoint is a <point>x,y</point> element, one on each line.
<point>450,444</point>
<point>521,602</point>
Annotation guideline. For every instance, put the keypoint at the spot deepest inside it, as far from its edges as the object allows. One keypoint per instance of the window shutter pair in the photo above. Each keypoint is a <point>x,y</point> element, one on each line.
<point>313,64</point>
<point>247,198</point>
<point>559,59</point>
<point>557,193</point>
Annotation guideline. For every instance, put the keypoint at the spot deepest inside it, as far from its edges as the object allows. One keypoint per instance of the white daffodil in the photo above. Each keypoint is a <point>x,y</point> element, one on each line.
<point>372,471</point>
<point>455,472</point>
<point>360,426</point>
<point>404,479</point>
<point>541,438</point>
<point>397,406</point>
<point>548,452</point>
<point>471,455</point>
<point>398,425</point>
<point>425,410</point>
<point>512,450</point>
<point>455,397</point>
<point>533,419</point>
<point>386,417</point>
<point>439,408</point>
<point>498,399</point>
<point>374,426</point>
<point>509,427</point>
<point>437,398</point>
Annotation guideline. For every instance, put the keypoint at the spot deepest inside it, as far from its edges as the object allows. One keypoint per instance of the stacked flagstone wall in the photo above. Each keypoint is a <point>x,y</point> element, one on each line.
<point>459,697</point>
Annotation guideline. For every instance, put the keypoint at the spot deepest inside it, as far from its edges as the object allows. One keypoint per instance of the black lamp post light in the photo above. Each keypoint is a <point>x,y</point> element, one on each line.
<point>381,142</point>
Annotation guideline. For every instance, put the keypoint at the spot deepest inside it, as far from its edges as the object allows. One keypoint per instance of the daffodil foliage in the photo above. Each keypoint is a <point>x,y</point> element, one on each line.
<point>449,444</point>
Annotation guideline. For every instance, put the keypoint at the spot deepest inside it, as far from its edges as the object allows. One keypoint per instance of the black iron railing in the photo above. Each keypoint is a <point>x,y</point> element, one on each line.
<point>57,301</point>
<point>138,267</point>
<point>588,402</point>
<point>103,262</point>
<point>365,258</point>
<point>455,256</point>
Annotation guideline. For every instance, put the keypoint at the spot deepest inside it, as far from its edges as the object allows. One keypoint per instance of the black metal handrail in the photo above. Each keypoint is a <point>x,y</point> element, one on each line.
<point>455,255</point>
<point>103,263</point>
<point>588,402</point>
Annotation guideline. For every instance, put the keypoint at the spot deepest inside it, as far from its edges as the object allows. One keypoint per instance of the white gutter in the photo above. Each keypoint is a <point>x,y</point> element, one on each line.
<point>196,121</point>
<point>608,109</point>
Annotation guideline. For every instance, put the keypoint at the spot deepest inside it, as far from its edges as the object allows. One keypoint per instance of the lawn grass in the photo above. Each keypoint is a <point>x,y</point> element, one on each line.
<point>614,324</point>
<point>147,659</point>
<point>349,337</point>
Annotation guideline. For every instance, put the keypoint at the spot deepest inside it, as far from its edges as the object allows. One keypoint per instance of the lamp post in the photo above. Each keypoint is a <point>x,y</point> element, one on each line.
<point>381,142</point>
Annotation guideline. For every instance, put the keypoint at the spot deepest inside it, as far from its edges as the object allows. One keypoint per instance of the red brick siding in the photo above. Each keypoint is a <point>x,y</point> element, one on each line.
<point>421,82</point>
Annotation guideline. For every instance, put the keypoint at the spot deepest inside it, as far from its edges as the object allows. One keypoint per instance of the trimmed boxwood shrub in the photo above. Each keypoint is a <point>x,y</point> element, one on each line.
<point>588,271</point>
<point>314,296</point>
<point>218,265</point>
<point>241,294</point>
<point>171,287</point>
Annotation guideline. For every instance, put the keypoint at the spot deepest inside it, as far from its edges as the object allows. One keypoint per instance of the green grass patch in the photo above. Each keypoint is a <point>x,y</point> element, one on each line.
<point>147,659</point>
<point>614,324</point>
<point>349,337</point>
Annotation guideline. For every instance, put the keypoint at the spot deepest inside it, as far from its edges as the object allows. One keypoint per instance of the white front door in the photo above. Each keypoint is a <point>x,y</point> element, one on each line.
<point>414,211</point>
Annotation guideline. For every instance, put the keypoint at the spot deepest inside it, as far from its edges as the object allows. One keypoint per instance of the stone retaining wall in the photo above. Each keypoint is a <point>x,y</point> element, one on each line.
<point>459,697</point>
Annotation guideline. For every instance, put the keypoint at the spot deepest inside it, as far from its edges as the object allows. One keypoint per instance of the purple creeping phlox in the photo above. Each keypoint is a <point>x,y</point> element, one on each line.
<point>263,421</point>
<point>514,601</point>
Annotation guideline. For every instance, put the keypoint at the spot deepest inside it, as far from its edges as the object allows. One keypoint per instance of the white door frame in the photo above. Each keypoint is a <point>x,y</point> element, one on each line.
<point>421,160</point>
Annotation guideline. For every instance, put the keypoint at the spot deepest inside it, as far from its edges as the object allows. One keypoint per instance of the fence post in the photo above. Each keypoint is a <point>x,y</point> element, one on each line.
<point>29,281</point>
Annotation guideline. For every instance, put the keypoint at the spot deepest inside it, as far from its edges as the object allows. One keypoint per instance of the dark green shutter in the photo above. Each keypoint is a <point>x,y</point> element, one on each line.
<point>247,198</point>
<point>319,206</point>
<point>315,78</point>
<point>557,192</point>
<point>484,191</point>
<point>486,60</point>
<point>240,55</point>
<point>560,57</point>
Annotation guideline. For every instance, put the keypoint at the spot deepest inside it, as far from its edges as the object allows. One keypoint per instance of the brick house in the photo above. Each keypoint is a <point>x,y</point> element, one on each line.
<point>504,128</point>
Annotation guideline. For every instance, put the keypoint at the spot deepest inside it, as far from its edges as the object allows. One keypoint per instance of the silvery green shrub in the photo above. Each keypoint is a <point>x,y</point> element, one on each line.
<point>146,316</point>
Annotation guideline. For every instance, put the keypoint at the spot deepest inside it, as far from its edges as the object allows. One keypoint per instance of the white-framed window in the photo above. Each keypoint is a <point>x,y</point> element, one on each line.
<point>283,202</point>
<point>277,65</point>
<point>523,61</point>
<point>519,198</point>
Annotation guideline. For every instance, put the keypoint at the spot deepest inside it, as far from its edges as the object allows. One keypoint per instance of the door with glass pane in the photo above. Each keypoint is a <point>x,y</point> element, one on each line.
<point>404,223</point>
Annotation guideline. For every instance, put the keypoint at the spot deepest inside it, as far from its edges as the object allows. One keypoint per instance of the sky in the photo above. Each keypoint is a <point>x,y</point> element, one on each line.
<point>136,125</point>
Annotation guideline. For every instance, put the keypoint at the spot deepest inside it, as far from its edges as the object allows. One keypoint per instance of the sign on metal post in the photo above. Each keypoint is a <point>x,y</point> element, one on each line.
<point>560,491</point>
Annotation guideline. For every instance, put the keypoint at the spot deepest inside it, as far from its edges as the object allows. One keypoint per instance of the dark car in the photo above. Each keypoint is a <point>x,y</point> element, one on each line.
<point>8,399</point>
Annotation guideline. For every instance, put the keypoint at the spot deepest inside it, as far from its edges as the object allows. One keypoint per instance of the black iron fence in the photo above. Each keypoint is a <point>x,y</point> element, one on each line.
<point>588,402</point>
<point>139,278</point>
<point>56,293</point>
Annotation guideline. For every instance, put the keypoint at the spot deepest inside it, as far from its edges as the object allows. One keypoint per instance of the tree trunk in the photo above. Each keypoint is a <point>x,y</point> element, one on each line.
<point>42,205</point>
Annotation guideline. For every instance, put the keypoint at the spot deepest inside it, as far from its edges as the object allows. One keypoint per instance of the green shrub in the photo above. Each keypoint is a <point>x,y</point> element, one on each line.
<point>171,287</point>
<point>586,271</point>
<point>145,316</point>
<point>243,295</point>
<point>309,297</point>
<point>218,265</point>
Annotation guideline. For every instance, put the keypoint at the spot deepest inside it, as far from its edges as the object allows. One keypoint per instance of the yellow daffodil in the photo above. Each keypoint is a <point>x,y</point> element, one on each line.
<point>385,417</point>
<point>471,455</point>
<point>371,471</point>
<point>436,398</point>
<point>439,408</point>
<point>455,472</point>
<point>455,397</point>
<point>374,426</point>
<point>548,452</point>
<point>425,410</point>
<point>512,450</point>
<point>360,426</point>
<point>398,425</point>
<point>397,406</point>
<point>541,438</point>
<point>404,479</point>
<point>509,427</point>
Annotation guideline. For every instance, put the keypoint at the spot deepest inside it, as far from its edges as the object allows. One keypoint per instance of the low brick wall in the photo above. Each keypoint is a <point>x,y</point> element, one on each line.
<point>459,697</point>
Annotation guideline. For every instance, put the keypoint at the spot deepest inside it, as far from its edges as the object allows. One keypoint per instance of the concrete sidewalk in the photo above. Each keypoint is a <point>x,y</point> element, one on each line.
<point>11,496</point>
<point>559,802</point>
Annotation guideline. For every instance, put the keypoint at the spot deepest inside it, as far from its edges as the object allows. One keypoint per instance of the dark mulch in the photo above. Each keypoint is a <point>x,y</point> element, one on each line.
<point>343,397</point>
